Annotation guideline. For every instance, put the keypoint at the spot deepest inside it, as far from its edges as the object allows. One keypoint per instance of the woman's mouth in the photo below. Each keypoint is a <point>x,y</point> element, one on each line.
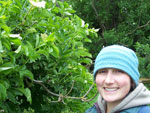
<point>111,89</point>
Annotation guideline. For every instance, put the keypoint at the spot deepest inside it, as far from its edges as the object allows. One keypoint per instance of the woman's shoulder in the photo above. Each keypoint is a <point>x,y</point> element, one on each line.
<point>144,109</point>
<point>94,109</point>
<point>91,110</point>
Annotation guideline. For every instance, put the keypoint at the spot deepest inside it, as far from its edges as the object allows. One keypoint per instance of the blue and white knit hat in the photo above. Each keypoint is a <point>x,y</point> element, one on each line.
<point>118,57</point>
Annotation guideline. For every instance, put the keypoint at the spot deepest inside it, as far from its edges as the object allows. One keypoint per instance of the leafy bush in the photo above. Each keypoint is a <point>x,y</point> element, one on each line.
<point>42,55</point>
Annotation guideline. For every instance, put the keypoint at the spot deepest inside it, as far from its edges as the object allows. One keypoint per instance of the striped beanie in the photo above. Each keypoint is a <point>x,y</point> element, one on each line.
<point>118,57</point>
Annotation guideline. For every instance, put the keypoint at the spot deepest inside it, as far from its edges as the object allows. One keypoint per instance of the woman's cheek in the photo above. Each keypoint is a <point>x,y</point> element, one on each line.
<point>99,80</point>
<point>122,81</point>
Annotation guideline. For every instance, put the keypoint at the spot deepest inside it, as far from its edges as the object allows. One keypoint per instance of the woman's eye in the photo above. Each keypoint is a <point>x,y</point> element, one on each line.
<point>102,71</point>
<point>119,71</point>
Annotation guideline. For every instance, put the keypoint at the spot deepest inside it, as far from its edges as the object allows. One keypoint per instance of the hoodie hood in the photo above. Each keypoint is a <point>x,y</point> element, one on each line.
<point>138,97</point>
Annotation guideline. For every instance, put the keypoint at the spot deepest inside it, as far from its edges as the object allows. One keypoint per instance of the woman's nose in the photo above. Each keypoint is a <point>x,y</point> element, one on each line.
<point>109,78</point>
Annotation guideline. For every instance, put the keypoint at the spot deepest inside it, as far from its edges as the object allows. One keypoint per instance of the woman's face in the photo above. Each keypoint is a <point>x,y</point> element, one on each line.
<point>113,84</point>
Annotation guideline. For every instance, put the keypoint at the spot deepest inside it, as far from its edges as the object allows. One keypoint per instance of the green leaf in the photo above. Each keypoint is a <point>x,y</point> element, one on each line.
<point>44,13</point>
<point>1,59</point>
<point>15,41</point>
<point>61,4</point>
<point>3,93</point>
<point>18,49</point>
<point>11,96</point>
<point>3,17</point>
<point>5,82</point>
<point>86,60</point>
<point>51,37</point>
<point>55,10</point>
<point>55,52</point>
<point>37,40</point>
<point>6,44</point>
<point>31,30</point>
<point>88,40</point>
<point>26,50</point>
<point>1,47</point>
<point>44,52</point>
<point>83,53</point>
<point>67,13</point>
<point>15,9</point>
<point>6,28</point>
<point>30,52</point>
<point>26,73</point>
<point>6,66</point>
<point>27,93</point>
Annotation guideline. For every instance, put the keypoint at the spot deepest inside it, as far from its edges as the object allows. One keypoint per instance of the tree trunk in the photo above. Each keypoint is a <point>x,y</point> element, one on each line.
<point>145,80</point>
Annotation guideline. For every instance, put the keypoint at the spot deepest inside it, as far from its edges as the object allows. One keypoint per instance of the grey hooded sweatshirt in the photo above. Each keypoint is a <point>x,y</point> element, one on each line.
<point>138,97</point>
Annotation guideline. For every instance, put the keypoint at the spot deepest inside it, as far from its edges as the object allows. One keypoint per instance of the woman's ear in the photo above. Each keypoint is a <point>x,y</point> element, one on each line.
<point>132,85</point>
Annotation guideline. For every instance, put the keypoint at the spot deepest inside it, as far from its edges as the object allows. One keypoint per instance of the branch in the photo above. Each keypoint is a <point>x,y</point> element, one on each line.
<point>145,80</point>
<point>88,90</point>
<point>91,98</point>
<point>99,21</point>
<point>70,89</point>
<point>62,97</point>
<point>144,25</point>
<point>41,83</point>
<point>139,27</point>
<point>93,6</point>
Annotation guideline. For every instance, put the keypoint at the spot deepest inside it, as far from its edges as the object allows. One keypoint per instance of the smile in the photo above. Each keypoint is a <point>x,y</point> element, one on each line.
<point>110,89</point>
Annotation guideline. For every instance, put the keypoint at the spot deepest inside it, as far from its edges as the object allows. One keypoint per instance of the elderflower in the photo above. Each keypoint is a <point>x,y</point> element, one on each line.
<point>15,36</point>
<point>38,4</point>
<point>85,81</point>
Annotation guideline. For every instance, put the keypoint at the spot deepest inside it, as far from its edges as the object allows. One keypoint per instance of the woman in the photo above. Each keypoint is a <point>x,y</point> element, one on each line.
<point>116,75</point>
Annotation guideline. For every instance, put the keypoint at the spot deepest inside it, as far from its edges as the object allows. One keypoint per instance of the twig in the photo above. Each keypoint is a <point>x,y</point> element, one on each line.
<point>93,6</point>
<point>144,25</point>
<point>76,98</point>
<point>54,101</point>
<point>70,88</point>
<point>139,27</point>
<point>41,83</point>
<point>24,19</point>
<point>99,22</point>
<point>92,97</point>
<point>88,90</point>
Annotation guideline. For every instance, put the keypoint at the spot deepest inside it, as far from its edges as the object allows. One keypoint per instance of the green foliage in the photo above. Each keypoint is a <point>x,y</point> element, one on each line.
<point>44,43</point>
<point>119,22</point>
<point>124,22</point>
<point>143,51</point>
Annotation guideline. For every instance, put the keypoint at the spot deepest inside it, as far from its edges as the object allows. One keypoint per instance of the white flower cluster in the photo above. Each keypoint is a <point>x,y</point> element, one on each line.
<point>38,4</point>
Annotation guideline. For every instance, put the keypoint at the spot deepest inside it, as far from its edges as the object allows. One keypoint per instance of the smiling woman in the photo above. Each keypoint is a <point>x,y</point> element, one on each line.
<point>117,79</point>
